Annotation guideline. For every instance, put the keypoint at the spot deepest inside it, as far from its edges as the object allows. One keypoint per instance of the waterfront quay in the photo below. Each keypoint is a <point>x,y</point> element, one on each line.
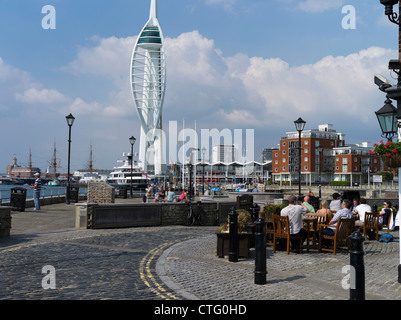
<point>169,263</point>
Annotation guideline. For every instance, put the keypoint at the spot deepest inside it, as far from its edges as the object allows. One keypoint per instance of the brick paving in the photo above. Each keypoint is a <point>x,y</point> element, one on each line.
<point>169,263</point>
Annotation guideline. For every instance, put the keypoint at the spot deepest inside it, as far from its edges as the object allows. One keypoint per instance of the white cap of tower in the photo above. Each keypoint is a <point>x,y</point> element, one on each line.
<point>153,10</point>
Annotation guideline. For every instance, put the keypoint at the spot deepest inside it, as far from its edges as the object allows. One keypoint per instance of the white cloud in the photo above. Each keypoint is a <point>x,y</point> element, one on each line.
<point>318,6</point>
<point>44,96</point>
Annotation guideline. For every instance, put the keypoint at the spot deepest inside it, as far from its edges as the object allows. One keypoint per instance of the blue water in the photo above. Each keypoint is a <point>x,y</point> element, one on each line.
<point>47,191</point>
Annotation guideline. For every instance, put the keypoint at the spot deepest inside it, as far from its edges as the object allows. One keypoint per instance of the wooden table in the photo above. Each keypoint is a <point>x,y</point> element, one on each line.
<point>308,222</point>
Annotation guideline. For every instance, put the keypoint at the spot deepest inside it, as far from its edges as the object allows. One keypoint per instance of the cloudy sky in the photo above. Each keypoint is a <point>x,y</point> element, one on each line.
<point>237,64</point>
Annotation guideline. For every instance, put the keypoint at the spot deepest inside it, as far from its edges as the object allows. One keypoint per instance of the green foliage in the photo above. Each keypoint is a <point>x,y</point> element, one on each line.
<point>340,183</point>
<point>387,175</point>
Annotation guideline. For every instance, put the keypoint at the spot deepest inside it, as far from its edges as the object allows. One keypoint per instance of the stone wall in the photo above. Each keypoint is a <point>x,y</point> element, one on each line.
<point>93,216</point>
<point>100,192</point>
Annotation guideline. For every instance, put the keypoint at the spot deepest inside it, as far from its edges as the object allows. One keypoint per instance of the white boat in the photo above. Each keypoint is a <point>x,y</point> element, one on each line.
<point>54,183</point>
<point>122,176</point>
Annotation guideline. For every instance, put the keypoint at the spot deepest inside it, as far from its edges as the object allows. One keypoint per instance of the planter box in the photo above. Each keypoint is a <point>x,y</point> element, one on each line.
<point>223,245</point>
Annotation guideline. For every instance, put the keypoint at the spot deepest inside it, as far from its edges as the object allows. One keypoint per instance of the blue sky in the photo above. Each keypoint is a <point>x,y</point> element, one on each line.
<point>237,64</point>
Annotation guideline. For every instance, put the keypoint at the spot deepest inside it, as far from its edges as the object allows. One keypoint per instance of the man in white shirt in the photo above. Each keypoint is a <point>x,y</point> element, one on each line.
<point>359,212</point>
<point>335,204</point>
<point>295,213</point>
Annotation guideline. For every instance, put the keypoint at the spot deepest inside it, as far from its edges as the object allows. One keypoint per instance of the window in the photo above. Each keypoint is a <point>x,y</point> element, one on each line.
<point>345,160</point>
<point>306,150</point>
<point>355,159</point>
<point>355,168</point>
<point>337,159</point>
<point>306,159</point>
<point>284,159</point>
<point>306,168</point>
<point>374,160</point>
<point>276,169</point>
<point>332,143</point>
<point>306,142</point>
<point>283,151</point>
<point>337,168</point>
<point>283,168</point>
<point>275,161</point>
<point>317,143</point>
<point>283,144</point>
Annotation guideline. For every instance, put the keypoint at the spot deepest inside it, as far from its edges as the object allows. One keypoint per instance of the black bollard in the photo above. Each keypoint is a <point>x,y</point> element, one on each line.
<point>260,250</point>
<point>233,236</point>
<point>357,288</point>
<point>255,212</point>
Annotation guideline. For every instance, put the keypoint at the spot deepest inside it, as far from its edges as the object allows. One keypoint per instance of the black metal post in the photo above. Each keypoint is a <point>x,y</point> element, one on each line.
<point>260,251</point>
<point>190,183</point>
<point>132,160</point>
<point>67,196</point>
<point>255,212</point>
<point>299,164</point>
<point>357,288</point>
<point>233,236</point>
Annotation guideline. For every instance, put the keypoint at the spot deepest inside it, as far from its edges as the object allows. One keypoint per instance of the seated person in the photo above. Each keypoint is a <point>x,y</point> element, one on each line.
<point>384,214</point>
<point>295,212</point>
<point>324,210</point>
<point>344,213</point>
<point>359,212</point>
<point>308,206</point>
<point>183,197</point>
<point>335,204</point>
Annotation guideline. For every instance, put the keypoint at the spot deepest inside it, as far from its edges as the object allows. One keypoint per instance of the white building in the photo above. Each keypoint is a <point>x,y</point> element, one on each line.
<point>224,153</point>
<point>148,83</point>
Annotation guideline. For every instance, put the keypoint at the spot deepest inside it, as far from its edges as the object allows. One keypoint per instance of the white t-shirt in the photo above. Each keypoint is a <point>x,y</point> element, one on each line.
<point>294,213</point>
<point>361,210</point>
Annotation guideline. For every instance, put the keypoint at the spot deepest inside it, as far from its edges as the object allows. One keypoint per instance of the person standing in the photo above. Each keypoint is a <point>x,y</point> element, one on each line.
<point>36,190</point>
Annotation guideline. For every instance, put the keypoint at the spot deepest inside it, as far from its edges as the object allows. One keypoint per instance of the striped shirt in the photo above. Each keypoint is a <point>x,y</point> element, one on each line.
<point>38,184</point>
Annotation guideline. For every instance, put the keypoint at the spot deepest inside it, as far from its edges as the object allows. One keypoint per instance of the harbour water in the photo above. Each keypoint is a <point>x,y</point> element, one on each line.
<point>47,191</point>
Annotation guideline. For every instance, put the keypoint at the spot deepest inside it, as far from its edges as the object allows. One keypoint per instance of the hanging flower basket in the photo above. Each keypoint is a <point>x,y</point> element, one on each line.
<point>392,160</point>
<point>390,153</point>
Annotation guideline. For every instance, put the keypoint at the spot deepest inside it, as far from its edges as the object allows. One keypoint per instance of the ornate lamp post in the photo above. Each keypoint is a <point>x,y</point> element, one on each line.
<point>386,115</point>
<point>70,121</point>
<point>132,142</point>
<point>299,125</point>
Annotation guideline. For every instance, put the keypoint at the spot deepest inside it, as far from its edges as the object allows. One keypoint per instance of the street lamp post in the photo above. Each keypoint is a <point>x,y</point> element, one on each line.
<point>299,125</point>
<point>132,142</point>
<point>203,173</point>
<point>70,121</point>
<point>320,150</point>
<point>387,117</point>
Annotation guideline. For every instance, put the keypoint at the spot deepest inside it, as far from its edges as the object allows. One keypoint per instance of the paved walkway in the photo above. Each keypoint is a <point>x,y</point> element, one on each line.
<point>174,263</point>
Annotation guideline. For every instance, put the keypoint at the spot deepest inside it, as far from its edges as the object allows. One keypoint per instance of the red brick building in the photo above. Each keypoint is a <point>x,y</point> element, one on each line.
<point>337,161</point>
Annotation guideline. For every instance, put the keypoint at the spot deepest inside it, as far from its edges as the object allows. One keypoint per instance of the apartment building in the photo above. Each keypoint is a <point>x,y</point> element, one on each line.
<point>335,161</point>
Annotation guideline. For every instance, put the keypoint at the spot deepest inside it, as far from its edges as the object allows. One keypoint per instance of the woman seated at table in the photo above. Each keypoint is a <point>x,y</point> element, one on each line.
<point>385,213</point>
<point>324,211</point>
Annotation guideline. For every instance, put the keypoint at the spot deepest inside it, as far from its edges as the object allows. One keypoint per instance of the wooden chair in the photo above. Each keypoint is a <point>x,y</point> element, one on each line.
<point>321,220</point>
<point>281,230</point>
<point>343,229</point>
<point>371,223</point>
